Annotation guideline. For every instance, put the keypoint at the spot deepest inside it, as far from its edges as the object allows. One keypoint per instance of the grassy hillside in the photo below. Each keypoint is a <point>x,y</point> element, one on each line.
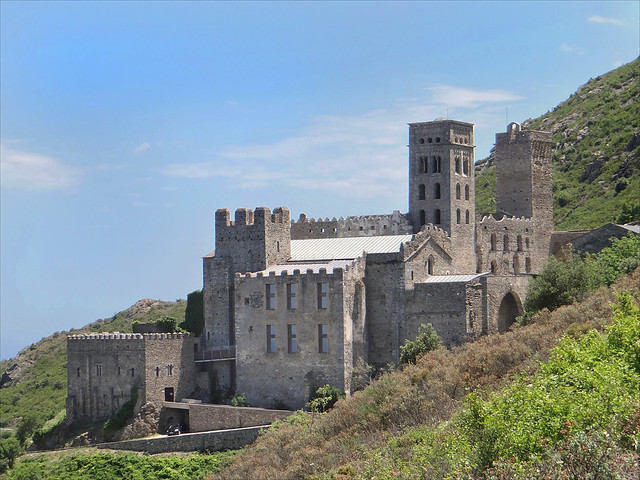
<point>38,375</point>
<point>420,422</point>
<point>596,161</point>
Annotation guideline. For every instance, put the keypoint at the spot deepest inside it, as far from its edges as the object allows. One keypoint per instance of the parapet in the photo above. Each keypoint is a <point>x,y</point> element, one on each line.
<point>245,216</point>
<point>515,134</point>
<point>354,226</point>
<point>127,336</point>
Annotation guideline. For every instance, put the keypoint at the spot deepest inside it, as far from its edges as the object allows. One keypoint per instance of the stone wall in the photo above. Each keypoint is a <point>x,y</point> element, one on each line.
<point>362,226</point>
<point>506,245</point>
<point>103,368</point>
<point>281,377</point>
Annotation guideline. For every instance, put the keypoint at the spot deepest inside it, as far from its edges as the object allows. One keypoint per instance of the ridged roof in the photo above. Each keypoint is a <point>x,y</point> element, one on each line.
<point>344,248</point>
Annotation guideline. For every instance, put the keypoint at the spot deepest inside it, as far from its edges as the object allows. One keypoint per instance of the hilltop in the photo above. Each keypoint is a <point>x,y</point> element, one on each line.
<point>596,159</point>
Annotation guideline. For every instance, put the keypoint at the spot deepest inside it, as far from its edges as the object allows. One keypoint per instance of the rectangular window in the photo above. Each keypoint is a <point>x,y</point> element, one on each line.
<point>98,370</point>
<point>323,338</point>
<point>322,296</point>
<point>271,296</point>
<point>292,339</point>
<point>291,296</point>
<point>271,339</point>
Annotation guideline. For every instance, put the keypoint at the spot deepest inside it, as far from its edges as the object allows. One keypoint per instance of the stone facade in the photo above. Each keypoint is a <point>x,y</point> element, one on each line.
<point>292,305</point>
<point>102,370</point>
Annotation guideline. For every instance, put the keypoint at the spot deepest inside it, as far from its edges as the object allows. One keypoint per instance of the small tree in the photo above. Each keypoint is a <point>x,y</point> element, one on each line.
<point>324,398</point>
<point>168,324</point>
<point>194,314</point>
<point>426,341</point>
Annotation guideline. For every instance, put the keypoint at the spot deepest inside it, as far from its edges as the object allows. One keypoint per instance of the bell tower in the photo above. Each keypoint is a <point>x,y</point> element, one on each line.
<point>441,183</point>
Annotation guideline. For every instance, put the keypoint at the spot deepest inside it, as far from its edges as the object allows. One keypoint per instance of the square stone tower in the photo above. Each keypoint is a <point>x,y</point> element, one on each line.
<point>442,186</point>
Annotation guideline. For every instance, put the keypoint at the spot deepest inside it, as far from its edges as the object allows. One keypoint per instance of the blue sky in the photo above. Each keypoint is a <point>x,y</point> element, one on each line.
<point>125,125</point>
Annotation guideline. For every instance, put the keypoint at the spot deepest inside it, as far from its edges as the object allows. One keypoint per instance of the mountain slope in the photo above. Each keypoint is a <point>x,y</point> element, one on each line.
<point>37,376</point>
<point>596,160</point>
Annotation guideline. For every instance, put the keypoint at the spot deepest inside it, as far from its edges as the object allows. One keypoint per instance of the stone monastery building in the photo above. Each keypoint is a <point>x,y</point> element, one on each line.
<point>291,305</point>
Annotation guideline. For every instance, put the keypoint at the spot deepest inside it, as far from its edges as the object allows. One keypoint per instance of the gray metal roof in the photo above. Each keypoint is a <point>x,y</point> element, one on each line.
<point>452,278</point>
<point>344,248</point>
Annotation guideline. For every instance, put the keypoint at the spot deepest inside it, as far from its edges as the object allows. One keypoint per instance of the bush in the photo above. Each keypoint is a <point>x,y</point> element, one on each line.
<point>239,401</point>
<point>194,314</point>
<point>168,324</point>
<point>26,427</point>
<point>324,399</point>
<point>426,341</point>
<point>9,450</point>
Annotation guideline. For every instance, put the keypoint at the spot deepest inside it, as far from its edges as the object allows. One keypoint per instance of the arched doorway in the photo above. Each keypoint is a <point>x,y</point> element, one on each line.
<point>510,308</point>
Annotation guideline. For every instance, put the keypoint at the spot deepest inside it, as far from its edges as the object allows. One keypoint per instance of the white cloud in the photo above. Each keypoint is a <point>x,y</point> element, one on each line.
<point>609,20</point>
<point>32,171</point>
<point>565,47</point>
<point>141,149</point>
<point>363,156</point>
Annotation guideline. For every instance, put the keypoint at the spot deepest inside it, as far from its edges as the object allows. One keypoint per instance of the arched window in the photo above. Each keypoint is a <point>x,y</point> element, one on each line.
<point>505,242</point>
<point>458,216</point>
<point>519,243</point>
<point>434,166</point>
<point>429,266</point>
<point>466,192</point>
<point>439,164</point>
<point>465,166</point>
<point>458,165</point>
<point>527,265</point>
<point>526,242</point>
<point>466,217</point>
<point>516,264</point>
<point>423,219</point>
<point>457,191</point>
<point>494,266</point>
<point>493,241</point>
<point>436,217</point>
<point>421,193</point>
<point>436,191</point>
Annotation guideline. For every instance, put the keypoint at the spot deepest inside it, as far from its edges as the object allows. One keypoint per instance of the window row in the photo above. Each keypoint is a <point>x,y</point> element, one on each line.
<point>130,371</point>
<point>515,265</point>
<point>505,242</point>
<point>292,292</point>
<point>436,218</point>
<point>437,191</point>
<point>292,338</point>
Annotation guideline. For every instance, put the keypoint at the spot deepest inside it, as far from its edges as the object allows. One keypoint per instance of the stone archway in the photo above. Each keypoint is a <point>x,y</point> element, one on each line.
<point>510,308</point>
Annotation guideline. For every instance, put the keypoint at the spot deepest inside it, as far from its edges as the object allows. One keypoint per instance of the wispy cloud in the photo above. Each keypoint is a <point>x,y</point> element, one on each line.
<point>141,149</point>
<point>609,20</point>
<point>360,156</point>
<point>565,47</point>
<point>32,171</point>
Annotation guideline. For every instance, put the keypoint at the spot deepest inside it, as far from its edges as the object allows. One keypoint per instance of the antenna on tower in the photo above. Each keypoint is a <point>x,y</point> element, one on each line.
<point>506,116</point>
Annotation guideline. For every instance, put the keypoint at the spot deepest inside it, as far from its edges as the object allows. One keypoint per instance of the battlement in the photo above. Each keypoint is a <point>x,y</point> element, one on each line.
<point>515,134</point>
<point>355,226</point>
<point>127,336</point>
<point>245,216</point>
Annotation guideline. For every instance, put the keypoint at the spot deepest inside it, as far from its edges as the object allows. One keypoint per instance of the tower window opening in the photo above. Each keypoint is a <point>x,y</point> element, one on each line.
<point>505,243</point>
<point>457,191</point>
<point>421,192</point>
<point>436,191</point>
<point>466,217</point>
<point>423,219</point>
<point>436,217</point>
<point>493,241</point>
<point>458,216</point>
<point>465,167</point>
<point>466,192</point>
<point>519,243</point>
<point>457,165</point>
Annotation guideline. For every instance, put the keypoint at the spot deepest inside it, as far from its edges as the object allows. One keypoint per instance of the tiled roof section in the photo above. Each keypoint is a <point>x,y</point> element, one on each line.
<point>304,267</point>
<point>344,248</point>
<point>453,278</point>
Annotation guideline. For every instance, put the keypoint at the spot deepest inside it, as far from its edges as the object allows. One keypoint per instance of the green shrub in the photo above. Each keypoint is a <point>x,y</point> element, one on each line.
<point>239,401</point>
<point>426,341</point>
<point>135,326</point>
<point>194,314</point>
<point>9,450</point>
<point>324,399</point>
<point>168,324</point>
<point>26,427</point>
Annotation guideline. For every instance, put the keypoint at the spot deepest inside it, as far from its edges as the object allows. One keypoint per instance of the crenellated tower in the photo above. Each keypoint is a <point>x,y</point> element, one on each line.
<point>441,183</point>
